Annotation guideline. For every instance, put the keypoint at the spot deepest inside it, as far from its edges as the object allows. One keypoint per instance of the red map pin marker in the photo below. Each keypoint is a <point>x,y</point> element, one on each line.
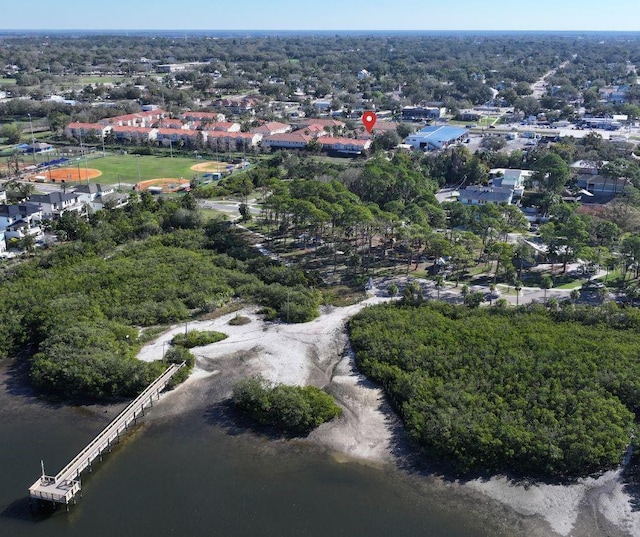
<point>369,120</point>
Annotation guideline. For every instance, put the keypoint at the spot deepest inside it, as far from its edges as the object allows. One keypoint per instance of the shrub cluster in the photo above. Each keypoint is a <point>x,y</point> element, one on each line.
<point>197,338</point>
<point>291,408</point>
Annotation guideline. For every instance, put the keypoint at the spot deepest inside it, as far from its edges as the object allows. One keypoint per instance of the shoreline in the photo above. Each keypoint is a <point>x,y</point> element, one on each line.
<point>369,432</point>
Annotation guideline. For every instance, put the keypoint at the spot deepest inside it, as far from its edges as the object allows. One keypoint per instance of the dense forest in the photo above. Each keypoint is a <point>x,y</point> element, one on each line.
<point>74,311</point>
<point>456,70</point>
<point>528,389</point>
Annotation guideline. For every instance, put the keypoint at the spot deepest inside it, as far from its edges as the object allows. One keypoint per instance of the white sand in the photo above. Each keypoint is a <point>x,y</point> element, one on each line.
<point>317,353</point>
<point>560,505</point>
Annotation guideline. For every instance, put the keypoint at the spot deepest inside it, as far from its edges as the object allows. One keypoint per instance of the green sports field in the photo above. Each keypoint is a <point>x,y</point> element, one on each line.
<point>131,168</point>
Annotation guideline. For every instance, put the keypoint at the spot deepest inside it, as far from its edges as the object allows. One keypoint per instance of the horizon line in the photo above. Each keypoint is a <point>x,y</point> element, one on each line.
<point>450,30</point>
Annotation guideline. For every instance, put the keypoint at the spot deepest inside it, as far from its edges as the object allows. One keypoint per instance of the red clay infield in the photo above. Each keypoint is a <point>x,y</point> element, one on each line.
<point>71,174</point>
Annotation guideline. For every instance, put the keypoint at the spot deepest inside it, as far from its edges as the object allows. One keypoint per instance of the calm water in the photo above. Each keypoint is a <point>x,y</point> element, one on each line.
<point>187,475</point>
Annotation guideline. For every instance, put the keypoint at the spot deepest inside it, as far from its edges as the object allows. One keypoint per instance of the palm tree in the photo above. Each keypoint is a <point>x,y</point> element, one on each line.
<point>439,284</point>
<point>546,283</point>
<point>464,292</point>
<point>518,287</point>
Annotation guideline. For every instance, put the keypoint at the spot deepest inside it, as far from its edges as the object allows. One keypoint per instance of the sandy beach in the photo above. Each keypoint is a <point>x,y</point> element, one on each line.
<point>317,353</point>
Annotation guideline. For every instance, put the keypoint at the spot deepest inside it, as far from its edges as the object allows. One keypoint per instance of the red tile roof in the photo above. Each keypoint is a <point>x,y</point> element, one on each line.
<point>293,137</point>
<point>169,122</point>
<point>125,128</point>
<point>330,140</point>
<point>271,126</point>
<point>85,126</point>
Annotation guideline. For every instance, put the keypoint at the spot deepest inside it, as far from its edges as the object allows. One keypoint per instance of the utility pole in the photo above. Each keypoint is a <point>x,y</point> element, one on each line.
<point>33,141</point>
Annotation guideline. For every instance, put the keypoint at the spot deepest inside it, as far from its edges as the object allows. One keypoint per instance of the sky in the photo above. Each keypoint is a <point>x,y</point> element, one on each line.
<point>580,15</point>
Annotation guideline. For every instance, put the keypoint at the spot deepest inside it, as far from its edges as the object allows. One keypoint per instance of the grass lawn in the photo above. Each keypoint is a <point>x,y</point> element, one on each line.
<point>488,120</point>
<point>91,79</point>
<point>575,284</point>
<point>94,79</point>
<point>124,168</point>
<point>7,81</point>
<point>208,214</point>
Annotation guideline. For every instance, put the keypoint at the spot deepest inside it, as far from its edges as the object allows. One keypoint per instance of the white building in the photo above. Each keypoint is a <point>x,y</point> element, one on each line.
<point>54,204</point>
<point>511,178</point>
<point>97,196</point>
<point>19,220</point>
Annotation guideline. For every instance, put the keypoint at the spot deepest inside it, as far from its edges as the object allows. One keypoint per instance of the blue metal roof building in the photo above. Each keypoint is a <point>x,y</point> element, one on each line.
<point>436,137</point>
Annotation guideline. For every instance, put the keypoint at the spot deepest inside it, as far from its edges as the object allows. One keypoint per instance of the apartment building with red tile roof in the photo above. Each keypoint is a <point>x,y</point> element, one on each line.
<point>290,140</point>
<point>344,145</point>
<point>76,129</point>
<point>241,139</point>
<point>272,127</point>
<point>125,132</point>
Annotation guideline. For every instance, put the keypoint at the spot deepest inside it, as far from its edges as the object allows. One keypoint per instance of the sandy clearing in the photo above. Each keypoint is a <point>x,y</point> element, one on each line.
<point>317,353</point>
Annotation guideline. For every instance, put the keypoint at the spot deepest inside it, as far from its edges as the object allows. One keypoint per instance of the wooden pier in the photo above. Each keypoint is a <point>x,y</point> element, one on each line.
<point>63,487</point>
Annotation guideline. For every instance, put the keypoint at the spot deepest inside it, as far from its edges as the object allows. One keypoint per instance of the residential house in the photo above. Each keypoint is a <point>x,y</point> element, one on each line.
<point>588,167</point>
<point>322,106</point>
<point>54,204</point>
<point>97,196</point>
<point>480,195</point>
<point>601,185</point>
<point>614,94</point>
<point>468,115</point>
<point>510,178</point>
<point>19,220</point>
<point>242,106</point>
